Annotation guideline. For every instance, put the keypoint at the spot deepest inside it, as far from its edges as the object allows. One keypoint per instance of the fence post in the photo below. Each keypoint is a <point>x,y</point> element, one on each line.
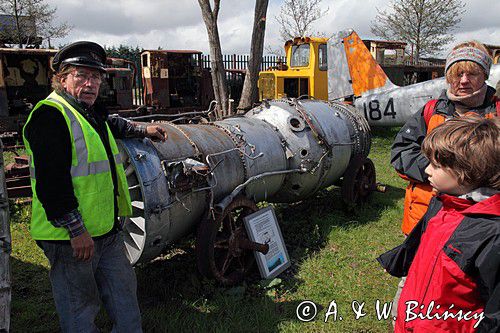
<point>5,249</point>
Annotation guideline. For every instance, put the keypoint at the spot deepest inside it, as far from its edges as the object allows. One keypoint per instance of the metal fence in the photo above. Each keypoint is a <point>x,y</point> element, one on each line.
<point>240,61</point>
<point>235,65</point>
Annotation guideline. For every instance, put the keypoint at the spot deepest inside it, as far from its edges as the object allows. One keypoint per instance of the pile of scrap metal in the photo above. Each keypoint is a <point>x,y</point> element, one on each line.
<point>207,177</point>
<point>24,80</point>
<point>17,176</point>
<point>176,88</point>
<point>173,83</point>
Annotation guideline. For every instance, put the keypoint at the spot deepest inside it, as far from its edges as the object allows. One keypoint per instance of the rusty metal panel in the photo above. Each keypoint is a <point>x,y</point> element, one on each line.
<point>267,86</point>
<point>116,89</point>
<point>4,102</point>
<point>17,177</point>
<point>26,78</point>
<point>175,79</point>
<point>207,89</point>
<point>157,89</point>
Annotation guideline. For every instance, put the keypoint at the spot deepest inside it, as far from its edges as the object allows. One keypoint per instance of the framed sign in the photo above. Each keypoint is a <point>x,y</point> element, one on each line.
<point>262,227</point>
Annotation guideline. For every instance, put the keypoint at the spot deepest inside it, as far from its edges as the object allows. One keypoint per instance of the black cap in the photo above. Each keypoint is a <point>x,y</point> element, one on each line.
<point>85,54</point>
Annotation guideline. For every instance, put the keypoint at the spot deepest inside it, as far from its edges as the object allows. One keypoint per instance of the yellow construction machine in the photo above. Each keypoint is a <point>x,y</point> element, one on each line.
<point>304,74</point>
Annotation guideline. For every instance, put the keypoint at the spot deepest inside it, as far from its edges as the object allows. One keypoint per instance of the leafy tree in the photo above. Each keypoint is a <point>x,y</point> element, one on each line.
<point>124,52</point>
<point>424,24</point>
<point>296,18</point>
<point>30,22</point>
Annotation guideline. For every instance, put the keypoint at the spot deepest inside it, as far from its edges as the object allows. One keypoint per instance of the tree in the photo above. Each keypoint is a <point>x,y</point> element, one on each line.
<point>296,18</point>
<point>424,24</point>
<point>249,94</point>
<point>30,22</point>
<point>277,51</point>
<point>216,64</point>
<point>124,52</point>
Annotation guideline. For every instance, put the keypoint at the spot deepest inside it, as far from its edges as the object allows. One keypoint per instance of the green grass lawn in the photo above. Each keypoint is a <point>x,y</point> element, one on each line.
<point>333,259</point>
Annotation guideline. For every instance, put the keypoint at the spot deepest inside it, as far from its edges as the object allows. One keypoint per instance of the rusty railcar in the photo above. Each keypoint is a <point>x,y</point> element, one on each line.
<point>175,80</point>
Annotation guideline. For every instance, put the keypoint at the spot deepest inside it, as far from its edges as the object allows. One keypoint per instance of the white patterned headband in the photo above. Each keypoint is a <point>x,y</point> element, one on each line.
<point>469,54</point>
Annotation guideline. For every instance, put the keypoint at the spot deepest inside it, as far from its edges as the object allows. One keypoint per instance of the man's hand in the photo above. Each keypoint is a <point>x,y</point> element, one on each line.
<point>155,132</point>
<point>83,246</point>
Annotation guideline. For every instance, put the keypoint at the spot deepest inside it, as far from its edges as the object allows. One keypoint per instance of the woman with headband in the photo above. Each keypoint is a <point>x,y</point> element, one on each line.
<point>467,69</point>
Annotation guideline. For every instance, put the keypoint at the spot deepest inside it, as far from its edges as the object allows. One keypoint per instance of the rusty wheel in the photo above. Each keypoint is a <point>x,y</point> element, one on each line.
<point>359,181</point>
<point>223,249</point>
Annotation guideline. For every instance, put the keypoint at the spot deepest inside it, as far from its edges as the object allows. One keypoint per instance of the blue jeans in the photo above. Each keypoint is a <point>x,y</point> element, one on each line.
<point>78,286</point>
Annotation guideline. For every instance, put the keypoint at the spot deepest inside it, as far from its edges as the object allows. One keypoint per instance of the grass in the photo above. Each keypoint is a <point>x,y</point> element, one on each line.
<point>333,258</point>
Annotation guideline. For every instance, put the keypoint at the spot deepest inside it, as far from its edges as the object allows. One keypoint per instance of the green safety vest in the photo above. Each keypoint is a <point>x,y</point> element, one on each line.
<point>90,175</point>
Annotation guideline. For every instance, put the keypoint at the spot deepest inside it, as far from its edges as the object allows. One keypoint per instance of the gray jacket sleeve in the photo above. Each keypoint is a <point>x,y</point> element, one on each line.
<point>406,156</point>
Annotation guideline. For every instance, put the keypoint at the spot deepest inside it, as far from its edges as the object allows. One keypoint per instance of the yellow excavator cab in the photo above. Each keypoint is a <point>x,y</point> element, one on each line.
<point>305,72</point>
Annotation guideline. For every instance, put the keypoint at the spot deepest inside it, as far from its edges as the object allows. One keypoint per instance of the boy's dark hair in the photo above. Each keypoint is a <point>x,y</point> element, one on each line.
<point>468,146</point>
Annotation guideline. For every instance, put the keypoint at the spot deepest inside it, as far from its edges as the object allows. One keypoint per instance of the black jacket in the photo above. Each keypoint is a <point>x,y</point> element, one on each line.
<point>406,156</point>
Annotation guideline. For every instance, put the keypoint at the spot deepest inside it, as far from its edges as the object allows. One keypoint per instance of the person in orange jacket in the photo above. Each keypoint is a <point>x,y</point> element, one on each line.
<point>467,69</point>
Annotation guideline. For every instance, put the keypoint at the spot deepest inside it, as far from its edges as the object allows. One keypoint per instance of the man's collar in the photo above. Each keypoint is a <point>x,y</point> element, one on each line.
<point>97,110</point>
<point>80,106</point>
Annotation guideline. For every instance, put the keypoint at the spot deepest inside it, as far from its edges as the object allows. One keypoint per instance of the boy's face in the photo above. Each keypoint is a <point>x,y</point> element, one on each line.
<point>445,181</point>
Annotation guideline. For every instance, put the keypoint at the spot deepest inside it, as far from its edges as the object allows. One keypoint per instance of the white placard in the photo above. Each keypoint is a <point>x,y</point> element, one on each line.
<point>262,227</point>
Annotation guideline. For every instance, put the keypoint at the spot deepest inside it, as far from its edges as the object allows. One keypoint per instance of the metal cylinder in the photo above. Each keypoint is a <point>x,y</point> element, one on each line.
<point>280,151</point>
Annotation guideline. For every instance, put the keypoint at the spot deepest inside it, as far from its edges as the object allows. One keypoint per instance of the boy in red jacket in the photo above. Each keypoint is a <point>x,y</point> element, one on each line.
<point>452,256</point>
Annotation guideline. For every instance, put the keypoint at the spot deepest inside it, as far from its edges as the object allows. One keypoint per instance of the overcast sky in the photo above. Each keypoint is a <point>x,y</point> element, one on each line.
<point>177,24</point>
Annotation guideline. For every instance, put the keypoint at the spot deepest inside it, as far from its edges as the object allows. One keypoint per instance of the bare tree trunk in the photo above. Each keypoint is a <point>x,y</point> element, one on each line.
<point>249,94</point>
<point>216,64</point>
<point>18,26</point>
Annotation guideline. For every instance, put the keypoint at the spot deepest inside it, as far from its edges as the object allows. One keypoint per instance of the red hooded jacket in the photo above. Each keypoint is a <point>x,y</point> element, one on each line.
<point>452,263</point>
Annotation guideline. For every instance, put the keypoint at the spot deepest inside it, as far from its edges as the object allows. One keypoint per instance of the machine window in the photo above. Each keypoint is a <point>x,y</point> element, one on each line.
<point>300,55</point>
<point>296,87</point>
<point>322,57</point>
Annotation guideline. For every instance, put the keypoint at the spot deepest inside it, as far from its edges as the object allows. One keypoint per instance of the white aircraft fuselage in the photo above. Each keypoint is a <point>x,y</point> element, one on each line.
<point>354,75</point>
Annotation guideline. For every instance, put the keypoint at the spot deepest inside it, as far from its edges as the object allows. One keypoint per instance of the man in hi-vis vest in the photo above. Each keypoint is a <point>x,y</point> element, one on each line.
<point>79,190</point>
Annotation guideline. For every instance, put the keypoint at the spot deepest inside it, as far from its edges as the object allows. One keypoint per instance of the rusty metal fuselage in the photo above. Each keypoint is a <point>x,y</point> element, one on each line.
<point>281,151</point>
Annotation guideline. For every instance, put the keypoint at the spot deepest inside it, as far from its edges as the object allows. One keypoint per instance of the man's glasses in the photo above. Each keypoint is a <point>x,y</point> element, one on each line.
<point>82,77</point>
